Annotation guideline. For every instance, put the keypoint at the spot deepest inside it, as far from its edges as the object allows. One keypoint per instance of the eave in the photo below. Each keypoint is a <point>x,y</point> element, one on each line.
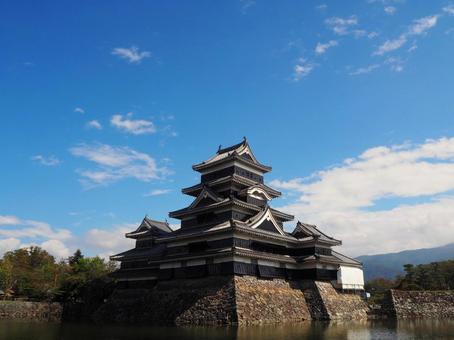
<point>236,152</point>
<point>226,202</point>
<point>149,226</point>
<point>137,234</point>
<point>282,215</point>
<point>313,231</point>
<point>325,259</point>
<point>233,157</point>
<point>246,182</point>
<point>259,186</point>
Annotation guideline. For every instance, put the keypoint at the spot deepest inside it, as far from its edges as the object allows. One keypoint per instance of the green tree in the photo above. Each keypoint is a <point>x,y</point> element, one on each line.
<point>32,272</point>
<point>73,260</point>
<point>6,276</point>
<point>432,276</point>
<point>377,288</point>
<point>86,287</point>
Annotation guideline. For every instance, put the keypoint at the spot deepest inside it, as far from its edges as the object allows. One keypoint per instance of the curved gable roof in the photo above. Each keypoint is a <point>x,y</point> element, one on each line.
<point>309,230</point>
<point>205,193</point>
<point>149,226</point>
<point>241,151</point>
<point>265,216</point>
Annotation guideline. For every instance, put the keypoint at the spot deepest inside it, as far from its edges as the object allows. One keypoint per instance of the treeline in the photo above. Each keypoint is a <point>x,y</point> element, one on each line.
<point>432,276</point>
<point>33,273</point>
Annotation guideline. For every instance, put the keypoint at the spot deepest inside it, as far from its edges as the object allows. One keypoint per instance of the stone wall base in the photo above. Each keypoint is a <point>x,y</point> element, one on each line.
<point>326,303</point>
<point>231,299</point>
<point>419,304</point>
<point>206,301</point>
<point>27,310</point>
<point>261,301</point>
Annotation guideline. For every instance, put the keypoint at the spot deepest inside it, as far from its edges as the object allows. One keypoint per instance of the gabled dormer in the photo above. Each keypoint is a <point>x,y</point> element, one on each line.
<point>259,194</point>
<point>148,230</point>
<point>305,230</point>
<point>244,150</point>
<point>265,220</point>
<point>239,155</point>
<point>206,197</point>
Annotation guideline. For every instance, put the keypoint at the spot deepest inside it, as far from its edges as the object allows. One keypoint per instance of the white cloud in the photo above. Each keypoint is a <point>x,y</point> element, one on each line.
<point>47,161</point>
<point>8,244</point>
<point>390,10</point>
<point>132,54</point>
<point>322,48</point>
<point>136,127</point>
<point>18,233</point>
<point>56,248</point>
<point>372,35</point>
<point>391,45</point>
<point>79,110</point>
<point>396,64</point>
<point>94,124</point>
<point>418,27</point>
<point>116,163</point>
<point>322,7</point>
<point>421,26</point>
<point>364,70</point>
<point>359,33</point>
<point>106,242</point>
<point>412,48</point>
<point>33,229</point>
<point>9,220</point>
<point>302,69</point>
<point>158,192</point>
<point>449,9</point>
<point>345,200</point>
<point>341,26</point>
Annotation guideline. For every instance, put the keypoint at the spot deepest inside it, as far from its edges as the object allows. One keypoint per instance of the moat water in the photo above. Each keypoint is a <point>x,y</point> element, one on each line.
<point>408,329</point>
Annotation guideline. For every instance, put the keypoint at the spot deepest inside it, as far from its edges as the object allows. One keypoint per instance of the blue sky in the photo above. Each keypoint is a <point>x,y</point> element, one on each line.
<point>106,105</point>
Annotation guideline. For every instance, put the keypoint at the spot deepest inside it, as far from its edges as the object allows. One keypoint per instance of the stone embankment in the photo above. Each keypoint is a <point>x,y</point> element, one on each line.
<point>326,303</point>
<point>261,301</point>
<point>227,300</point>
<point>419,304</point>
<point>26,310</point>
<point>206,301</point>
<point>231,300</point>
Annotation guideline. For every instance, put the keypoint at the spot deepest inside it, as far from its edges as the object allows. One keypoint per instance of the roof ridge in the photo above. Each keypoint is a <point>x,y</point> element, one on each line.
<point>206,191</point>
<point>350,258</point>
<point>305,227</point>
<point>233,152</point>
<point>151,220</point>
<point>232,147</point>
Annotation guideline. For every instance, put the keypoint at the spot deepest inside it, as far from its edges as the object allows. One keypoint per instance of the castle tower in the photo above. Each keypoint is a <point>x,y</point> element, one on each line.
<point>231,229</point>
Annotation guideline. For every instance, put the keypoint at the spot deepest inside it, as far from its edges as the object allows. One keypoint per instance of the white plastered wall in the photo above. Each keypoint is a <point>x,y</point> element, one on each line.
<point>350,278</point>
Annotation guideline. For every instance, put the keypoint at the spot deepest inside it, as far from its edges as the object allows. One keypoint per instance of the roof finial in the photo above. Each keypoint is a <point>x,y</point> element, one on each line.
<point>220,147</point>
<point>244,139</point>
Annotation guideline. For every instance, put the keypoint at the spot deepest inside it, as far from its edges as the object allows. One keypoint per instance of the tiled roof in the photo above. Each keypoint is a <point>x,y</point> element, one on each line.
<point>304,230</point>
<point>238,151</point>
<point>149,226</point>
<point>139,253</point>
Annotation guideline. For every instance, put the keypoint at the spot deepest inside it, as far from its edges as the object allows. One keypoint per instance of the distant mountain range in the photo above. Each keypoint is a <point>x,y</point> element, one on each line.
<point>389,265</point>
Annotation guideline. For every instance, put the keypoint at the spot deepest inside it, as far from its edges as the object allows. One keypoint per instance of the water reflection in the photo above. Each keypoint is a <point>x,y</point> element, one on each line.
<point>406,329</point>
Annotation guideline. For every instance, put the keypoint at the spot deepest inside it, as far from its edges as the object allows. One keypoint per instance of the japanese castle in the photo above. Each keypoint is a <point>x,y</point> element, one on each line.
<point>231,229</point>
